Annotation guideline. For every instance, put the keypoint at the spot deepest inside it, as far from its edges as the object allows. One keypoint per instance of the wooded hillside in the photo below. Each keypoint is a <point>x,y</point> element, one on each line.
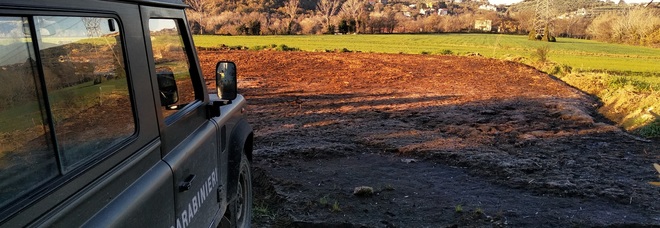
<point>637,24</point>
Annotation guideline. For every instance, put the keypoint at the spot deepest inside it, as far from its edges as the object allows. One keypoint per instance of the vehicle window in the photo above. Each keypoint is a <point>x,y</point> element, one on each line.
<point>26,159</point>
<point>86,83</point>
<point>171,62</point>
<point>57,115</point>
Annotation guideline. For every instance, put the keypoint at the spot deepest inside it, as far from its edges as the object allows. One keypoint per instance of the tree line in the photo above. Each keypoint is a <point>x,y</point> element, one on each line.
<point>639,25</point>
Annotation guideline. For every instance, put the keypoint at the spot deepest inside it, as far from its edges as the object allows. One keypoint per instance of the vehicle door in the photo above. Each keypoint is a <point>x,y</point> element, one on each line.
<point>80,141</point>
<point>189,138</point>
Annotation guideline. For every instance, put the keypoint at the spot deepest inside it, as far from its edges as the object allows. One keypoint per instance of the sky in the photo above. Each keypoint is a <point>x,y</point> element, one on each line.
<point>508,2</point>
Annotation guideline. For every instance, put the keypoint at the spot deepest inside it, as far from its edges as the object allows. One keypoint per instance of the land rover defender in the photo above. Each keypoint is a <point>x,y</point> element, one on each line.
<point>107,121</point>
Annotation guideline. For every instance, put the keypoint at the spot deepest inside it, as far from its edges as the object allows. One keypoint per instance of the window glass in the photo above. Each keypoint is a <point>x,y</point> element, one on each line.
<point>172,65</point>
<point>26,161</point>
<point>86,85</point>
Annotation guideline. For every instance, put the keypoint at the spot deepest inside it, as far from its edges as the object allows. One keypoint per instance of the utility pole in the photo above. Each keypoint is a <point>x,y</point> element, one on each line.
<point>93,26</point>
<point>542,24</point>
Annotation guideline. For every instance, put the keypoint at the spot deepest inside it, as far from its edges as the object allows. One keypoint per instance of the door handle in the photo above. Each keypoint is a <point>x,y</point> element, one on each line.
<point>187,184</point>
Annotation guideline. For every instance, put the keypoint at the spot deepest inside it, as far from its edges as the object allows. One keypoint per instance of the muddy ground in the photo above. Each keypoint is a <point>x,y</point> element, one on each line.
<point>443,141</point>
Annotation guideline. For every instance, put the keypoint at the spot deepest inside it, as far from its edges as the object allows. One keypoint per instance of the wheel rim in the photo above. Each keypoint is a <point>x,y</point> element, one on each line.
<point>242,200</point>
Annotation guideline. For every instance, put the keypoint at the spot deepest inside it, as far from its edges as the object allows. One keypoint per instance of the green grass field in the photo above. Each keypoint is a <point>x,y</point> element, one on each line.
<point>583,55</point>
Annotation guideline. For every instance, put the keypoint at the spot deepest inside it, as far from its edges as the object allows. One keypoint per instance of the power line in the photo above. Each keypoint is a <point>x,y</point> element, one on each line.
<point>93,26</point>
<point>543,17</point>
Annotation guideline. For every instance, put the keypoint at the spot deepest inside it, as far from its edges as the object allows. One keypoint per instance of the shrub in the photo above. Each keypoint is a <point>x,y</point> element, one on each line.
<point>335,207</point>
<point>446,52</point>
<point>635,26</point>
<point>330,29</point>
<point>343,50</point>
<point>283,47</point>
<point>541,54</point>
<point>532,35</point>
<point>458,208</point>
<point>619,82</point>
<point>562,69</point>
<point>653,39</point>
<point>323,200</point>
<point>237,47</point>
<point>651,130</point>
<point>258,48</point>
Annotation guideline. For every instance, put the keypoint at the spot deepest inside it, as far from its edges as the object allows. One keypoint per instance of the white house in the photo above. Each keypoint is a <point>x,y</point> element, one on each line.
<point>582,12</point>
<point>483,25</point>
<point>488,7</point>
<point>426,11</point>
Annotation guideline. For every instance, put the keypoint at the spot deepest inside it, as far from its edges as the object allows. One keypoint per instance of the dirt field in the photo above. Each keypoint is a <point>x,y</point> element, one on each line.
<point>444,141</point>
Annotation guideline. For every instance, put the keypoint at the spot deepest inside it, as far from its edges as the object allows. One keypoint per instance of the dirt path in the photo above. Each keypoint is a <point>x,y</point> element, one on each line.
<point>510,145</point>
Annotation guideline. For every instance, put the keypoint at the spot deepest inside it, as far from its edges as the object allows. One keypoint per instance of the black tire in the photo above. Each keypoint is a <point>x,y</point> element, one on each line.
<point>242,207</point>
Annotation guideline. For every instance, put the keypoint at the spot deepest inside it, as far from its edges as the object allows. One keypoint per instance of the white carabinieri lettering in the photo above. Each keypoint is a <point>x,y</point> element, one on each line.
<point>186,216</point>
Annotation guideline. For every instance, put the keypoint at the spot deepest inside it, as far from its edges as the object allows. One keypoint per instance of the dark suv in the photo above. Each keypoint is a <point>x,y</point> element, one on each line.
<point>106,120</point>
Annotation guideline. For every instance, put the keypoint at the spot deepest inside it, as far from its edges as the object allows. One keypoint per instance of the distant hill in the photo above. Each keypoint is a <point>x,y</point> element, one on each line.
<point>562,6</point>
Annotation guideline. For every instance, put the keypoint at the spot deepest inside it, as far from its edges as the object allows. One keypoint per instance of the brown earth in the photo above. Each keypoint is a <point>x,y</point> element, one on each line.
<point>444,141</point>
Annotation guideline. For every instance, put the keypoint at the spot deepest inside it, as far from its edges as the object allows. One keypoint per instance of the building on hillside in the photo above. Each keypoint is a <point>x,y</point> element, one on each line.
<point>443,12</point>
<point>426,11</point>
<point>373,2</point>
<point>582,12</point>
<point>483,25</point>
<point>488,7</point>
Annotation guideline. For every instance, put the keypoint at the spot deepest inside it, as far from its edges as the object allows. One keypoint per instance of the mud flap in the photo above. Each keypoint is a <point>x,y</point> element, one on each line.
<point>228,219</point>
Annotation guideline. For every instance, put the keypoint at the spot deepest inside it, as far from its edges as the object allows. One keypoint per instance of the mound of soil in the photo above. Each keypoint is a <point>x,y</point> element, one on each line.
<point>442,141</point>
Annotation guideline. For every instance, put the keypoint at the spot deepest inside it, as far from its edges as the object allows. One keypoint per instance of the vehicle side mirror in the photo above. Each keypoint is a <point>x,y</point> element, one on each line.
<point>169,93</point>
<point>225,80</point>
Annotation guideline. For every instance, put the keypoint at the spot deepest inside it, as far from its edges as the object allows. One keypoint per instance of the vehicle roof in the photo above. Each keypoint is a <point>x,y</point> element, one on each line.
<point>171,3</point>
<point>163,3</point>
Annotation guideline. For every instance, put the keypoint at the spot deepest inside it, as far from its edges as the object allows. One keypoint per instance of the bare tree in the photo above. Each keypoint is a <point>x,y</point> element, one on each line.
<point>201,8</point>
<point>524,17</point>
<point>355,9</point>
<point>601,27</point>
<point>291,9</point>
<point>327,8</point>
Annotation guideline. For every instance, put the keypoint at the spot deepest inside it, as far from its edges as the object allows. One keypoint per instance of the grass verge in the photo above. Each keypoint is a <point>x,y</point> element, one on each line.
<point>632,103</point>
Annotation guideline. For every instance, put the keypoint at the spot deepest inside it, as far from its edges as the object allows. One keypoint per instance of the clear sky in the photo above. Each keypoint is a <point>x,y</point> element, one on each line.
<point>497,2</point>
